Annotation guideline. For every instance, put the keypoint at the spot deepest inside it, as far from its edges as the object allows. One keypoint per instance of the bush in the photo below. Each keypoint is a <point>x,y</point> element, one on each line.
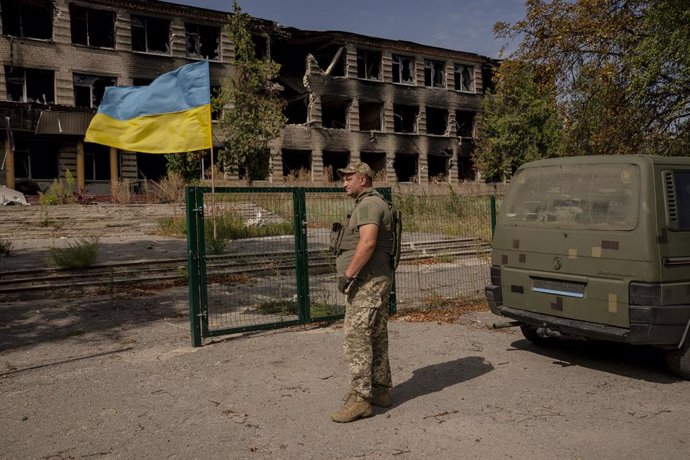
<point>78,254</point>
<point>5,247</point>
<point>121,191</point>
<point>170,189</point>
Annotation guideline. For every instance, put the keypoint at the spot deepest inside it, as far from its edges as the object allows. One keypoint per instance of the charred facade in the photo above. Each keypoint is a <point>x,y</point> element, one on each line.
<point>408,110</point>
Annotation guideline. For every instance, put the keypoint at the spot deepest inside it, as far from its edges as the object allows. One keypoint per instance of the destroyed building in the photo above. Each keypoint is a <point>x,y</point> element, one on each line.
<point>406,109</point>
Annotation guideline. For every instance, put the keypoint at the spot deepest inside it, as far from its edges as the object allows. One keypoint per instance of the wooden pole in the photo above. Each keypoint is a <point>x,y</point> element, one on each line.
<point>81,180</point>
<point>9,165</point>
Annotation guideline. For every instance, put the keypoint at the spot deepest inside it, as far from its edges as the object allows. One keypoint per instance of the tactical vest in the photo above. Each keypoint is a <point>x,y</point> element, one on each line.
<point>343,238</point>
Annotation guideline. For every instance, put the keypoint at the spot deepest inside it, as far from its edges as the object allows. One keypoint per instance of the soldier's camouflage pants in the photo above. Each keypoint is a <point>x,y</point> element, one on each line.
<point>366,336</point>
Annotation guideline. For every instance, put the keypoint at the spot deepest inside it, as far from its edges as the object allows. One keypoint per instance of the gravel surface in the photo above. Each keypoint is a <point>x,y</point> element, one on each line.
<point>115,376</point>
<point>106,377</point>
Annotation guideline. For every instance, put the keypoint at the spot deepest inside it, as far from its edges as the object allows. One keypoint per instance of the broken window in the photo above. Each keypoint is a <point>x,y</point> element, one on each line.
<point>436,121</point>
<point>297,164</point>
<point>260,46</point>
<point>406,167</point>
<point>466,169</point>
<point>202,41</point>
<point>36,159</point>
<point>464,122</point>
<point>96,161</point>
<point>377,163</point>
<point>92,27</point>
<point>332,161</point>
<point>89,89</point>
<point>334,112</point>
<point>151,35</point>
<point>464,77</point>
<point>405,118</point>
<point>370,114</point>
<point>335,57</point>
<point>437,165</point>
<point>434,73</point>
<point>403,69</point>
<point>27,18</point>
<point>30,85</point>
<point>368,64</point>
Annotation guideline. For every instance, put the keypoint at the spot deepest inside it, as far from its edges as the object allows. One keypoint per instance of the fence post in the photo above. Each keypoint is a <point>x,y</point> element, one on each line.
<point>193,266</point>
<point>301,254</point>
<point>393,307</point>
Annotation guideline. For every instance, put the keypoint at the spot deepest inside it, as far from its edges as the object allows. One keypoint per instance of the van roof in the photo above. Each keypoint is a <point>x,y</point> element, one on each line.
<point>610,159</point>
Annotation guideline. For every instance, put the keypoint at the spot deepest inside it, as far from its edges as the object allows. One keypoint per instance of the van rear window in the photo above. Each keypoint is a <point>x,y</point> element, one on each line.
<point>682,180</point>
<point>589,196</point>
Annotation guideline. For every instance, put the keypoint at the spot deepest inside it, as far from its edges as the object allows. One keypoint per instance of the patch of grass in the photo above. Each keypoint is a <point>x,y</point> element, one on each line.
<point>229,226</point>
<point>216,245</point>
<point>77,254</point>
<point>172,226</point>
<point>289,307</point>
<point>278,307</point>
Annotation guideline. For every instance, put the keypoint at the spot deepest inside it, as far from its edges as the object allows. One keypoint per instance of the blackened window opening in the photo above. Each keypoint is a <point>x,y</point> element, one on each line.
<point>92,27</point>
<point>405,166</point>
<point>96,162</point>
<point>151,35</point>
<point>334,112</point>
<point>370,116</point>
<point>332,161</point>
<point>202,41</point>
<point>36,159</point>
<point>296,161</point>
<point>437,166</point>
<point>376,161</point>
<point>368,64</point>
<point>436,121</point>
<point>89,89</point>
<point>405,118</point>
<point>464,122</point>
<point>260,46</point>
<point>30,85</point>
<point>27,18</point>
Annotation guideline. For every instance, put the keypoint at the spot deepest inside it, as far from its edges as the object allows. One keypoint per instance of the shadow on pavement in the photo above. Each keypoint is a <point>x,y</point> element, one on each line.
<point>436,377</point>
<point>41,321</point>
<point>637,362</point>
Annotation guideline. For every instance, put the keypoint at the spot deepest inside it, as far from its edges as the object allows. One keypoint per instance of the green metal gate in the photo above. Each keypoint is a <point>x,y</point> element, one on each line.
<point>258,258</point>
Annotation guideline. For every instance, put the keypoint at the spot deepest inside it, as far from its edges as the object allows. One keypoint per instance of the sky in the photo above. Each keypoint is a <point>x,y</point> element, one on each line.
<point>461,25</point>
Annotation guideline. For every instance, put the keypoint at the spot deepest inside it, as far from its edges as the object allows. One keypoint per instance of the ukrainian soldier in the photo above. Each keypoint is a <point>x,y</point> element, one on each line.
<point>364,246</point>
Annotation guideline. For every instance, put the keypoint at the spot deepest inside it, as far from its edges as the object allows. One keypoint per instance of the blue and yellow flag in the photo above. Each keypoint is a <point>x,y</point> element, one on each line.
<point>172,114</point>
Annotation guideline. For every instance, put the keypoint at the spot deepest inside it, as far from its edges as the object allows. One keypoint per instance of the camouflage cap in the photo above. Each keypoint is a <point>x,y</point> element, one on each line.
<point>357,167</point>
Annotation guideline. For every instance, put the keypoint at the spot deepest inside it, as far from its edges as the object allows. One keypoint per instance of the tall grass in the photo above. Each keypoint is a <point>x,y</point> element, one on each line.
<point>77,254</point>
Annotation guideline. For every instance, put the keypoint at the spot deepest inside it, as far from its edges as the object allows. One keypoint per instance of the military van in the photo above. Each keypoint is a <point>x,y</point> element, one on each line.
<point>597,247</point>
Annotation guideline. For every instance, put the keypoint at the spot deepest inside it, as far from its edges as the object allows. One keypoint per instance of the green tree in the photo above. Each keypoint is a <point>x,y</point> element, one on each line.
<point>519,123</point>
<point>187,165</point>
<point>621,70</point>
<point>254,114</point>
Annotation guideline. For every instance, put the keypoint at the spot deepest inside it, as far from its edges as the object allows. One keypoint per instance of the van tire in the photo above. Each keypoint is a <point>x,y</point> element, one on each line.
<point>531,334</point>
<point>678,361</point>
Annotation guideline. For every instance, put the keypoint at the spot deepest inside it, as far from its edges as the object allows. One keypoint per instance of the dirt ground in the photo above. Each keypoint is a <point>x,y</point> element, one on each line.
<point>116,377</point>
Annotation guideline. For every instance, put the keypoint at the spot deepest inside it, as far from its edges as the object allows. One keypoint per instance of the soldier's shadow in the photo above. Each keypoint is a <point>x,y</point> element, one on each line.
<point>436,377</point>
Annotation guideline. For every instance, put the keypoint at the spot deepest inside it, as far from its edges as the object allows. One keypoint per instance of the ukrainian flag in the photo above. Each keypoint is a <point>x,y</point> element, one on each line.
<point>172,114</point>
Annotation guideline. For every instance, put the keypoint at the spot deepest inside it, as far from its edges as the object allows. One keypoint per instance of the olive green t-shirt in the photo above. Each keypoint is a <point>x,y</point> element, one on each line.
<point>371,209</point>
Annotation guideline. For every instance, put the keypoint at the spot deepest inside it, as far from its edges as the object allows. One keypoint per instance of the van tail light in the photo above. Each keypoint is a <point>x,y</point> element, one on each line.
<point>645,294</point>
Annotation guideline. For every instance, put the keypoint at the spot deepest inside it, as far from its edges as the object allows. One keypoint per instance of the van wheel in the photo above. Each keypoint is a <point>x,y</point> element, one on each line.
<point>532,334</point>
<point>679,360</point>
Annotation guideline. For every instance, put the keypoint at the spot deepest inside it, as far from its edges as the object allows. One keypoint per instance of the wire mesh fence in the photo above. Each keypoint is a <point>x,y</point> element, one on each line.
<point>267,262</point>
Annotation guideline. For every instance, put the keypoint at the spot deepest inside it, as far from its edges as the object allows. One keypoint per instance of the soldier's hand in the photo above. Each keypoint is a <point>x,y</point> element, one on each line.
<point>345,284</point>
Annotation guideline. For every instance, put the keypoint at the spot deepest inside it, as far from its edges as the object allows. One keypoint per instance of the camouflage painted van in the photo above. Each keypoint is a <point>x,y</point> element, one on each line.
<point>597,247</point>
